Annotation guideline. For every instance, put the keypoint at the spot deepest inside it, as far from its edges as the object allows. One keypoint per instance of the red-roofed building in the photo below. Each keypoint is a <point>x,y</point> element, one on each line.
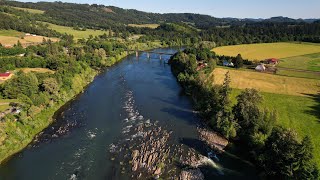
<point>272,61</point>
<point>5,76</point>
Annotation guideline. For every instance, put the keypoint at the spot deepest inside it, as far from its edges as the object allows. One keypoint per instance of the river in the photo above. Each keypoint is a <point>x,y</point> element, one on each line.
<point>91,135</point>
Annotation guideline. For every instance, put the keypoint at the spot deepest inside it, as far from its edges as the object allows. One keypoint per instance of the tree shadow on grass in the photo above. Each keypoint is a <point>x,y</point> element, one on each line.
<point>314,110</point>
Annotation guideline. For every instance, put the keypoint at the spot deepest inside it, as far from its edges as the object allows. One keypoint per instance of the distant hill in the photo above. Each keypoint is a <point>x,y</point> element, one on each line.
<point>100,16</point>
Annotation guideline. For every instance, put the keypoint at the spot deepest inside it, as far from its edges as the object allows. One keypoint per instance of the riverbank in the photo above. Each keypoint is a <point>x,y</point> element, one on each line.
<point>23,133</point>
<point>23,137</point>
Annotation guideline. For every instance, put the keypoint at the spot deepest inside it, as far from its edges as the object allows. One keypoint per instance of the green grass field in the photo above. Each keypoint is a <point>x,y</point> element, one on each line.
<point>33,11</point>
<point>13,33</point>
<point>309,62</point>
<point>291,73</point>
<point>151,26</point>
<point>268,50</point>
<point>77,34</point>
<point>300,113</point>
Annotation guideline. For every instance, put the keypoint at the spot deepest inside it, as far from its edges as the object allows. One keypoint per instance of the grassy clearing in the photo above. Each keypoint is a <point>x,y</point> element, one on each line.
<point>11,37</point>
<point>4,104</point>
<point>300,113</point>
<point>151,26</point>
<point>268,50</point>
<point>13,33</point>
<point>268,82</point>
<point>33,11</point>
<point>38,70</point>
<point>309,62</point>
<point>298,74</point>
<point>77,34</point>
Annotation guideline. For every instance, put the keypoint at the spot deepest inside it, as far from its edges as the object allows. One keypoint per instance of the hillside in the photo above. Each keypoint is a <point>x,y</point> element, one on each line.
<point>100,16</point>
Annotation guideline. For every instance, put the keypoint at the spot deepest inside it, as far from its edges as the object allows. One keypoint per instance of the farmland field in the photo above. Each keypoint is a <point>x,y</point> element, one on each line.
<point>11,37</point>
<point>309,62</point>
<point>77,34</point>
<point>268,50</point>
<point>11,33</point>
<point>268,82</point>
<point>33,11</point>
<point>300,113</point>
<point>151,26</point>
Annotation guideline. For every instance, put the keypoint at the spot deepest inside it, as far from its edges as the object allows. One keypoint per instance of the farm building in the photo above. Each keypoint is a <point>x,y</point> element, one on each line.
<point>260,67</point>
<point>201,65</point>
<point>5,76</point>
<point>272,61</point>
<point>226,63</point>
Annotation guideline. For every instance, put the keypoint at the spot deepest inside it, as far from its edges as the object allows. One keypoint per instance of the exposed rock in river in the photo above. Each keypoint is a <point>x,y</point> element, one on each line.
<point>192,174</point>
<point>212,139</point>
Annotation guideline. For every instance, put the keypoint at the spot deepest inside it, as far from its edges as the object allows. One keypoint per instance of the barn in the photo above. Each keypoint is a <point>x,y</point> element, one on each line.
<point>272,61</point>
<point>5,76</point>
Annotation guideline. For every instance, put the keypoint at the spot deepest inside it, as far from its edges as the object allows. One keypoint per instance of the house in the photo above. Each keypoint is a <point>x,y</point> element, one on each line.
<point>260,67</point>
<point>272,61</point>
<point>5,76</point>
<point>226,63</point>
<point>201,65</point>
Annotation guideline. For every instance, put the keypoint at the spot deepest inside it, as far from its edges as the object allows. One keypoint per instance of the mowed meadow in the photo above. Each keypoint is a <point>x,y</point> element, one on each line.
<point>78,34</point>
<point>242,79</point>
<point>268,50</point>
<point>11,37</point>
<point>294,91</point>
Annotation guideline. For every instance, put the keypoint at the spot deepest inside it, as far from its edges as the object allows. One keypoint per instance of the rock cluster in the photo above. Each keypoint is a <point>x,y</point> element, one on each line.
<point>212,139</point>
<point>152,153</point>
<point>192,174</point>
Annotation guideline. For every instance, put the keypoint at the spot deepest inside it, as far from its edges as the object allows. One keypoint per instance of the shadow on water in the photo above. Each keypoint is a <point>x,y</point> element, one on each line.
<point>314,110</point>
<point>180,113</point>
<point>234,165</point>
<point>196,144</point>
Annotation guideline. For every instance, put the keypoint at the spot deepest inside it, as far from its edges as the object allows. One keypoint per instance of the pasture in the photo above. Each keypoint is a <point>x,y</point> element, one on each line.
<point>11,37</point>
<point>310,62</point>
<point>151,26</point>
<point>76,33</point>
<point>241,79</point>
<point>300,113</point>
<point>33,11</point>
<point>268,50</point>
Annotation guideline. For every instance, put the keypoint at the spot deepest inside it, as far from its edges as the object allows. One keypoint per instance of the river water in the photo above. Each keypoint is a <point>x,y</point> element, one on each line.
<point>90,135</point>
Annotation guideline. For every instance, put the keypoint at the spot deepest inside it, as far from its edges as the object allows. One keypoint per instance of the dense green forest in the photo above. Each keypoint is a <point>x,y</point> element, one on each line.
<point>276,150</point>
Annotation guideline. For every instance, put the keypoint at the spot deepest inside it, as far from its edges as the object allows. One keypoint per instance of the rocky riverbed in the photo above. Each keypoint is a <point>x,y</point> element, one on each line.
<point>145,151</point>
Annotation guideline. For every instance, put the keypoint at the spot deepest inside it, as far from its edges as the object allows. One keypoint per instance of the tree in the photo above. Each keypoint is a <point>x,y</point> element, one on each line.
<point>238,61</point>
<point>224,118</point>
<point>284,157</point>
<point>25,83</point>
<point>51,86</point>
<point>247,110</point>
<point>307,167</point>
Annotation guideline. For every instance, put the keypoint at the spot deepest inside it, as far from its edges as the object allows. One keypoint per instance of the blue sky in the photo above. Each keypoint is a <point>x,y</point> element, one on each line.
<point>220,8</point>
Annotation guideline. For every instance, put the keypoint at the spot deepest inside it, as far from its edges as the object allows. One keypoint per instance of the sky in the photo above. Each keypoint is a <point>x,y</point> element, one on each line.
<point>219,8</point>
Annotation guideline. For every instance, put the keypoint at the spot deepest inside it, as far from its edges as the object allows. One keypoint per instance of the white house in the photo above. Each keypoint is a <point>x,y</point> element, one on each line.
<point>260,67</point>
